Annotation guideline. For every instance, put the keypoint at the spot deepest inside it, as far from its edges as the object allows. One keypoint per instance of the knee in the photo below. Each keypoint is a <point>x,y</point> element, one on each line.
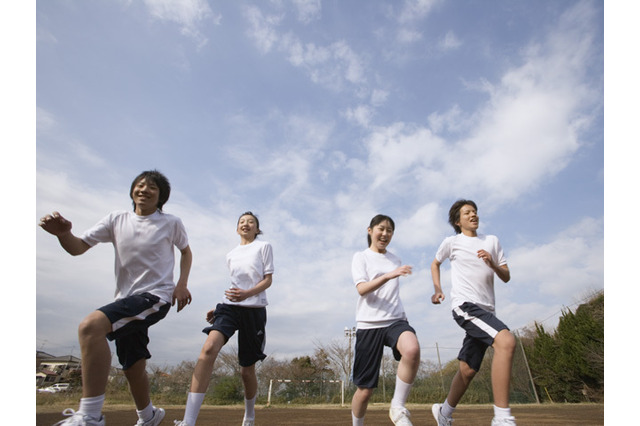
<point>409,348</point>
<point>466,372</point>
<point>95,324</point>
<point>505,342</point>
<point>364,394</point>
<point>412,354</point>
<point>139,369</point>
<point>209,350</point>
<point>247,373</point>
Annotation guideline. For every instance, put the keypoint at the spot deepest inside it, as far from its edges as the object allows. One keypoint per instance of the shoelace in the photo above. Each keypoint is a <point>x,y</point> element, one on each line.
<point>69,412</point>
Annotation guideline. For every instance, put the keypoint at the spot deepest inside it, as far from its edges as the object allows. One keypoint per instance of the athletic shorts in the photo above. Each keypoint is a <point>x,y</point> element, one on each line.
<point>130,319</point>
<point>481,327</point>
<point>250,324</point>
<point>370,345</point>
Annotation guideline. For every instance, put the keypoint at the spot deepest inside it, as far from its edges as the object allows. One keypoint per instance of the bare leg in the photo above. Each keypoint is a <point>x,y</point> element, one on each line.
<point>250,381</point>
<point>96,355</point>
<point>409,348</point>
<point>460,383</point>
<point>360,401</point>
<point>504,346</point>
<point>139,383</point>
<point>204,367</point>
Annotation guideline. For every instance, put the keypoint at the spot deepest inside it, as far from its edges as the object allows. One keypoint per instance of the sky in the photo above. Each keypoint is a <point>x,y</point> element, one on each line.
<point>316,116</point>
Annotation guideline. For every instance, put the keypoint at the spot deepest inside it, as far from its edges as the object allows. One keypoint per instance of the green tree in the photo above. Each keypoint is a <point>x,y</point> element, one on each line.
<point>568,365</point>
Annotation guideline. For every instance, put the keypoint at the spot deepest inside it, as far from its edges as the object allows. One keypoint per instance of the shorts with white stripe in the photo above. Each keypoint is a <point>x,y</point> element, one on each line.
<point>130,319</point>
<point>481,327</point>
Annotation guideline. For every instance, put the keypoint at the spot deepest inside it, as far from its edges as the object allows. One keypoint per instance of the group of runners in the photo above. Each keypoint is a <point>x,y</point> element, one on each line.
<point>145,239</point>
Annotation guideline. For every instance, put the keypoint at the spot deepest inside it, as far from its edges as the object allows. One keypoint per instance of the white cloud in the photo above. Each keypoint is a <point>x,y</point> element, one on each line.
<point>565,266</point>
<point>316,159</point>
<point>188,14</point>
<point>407,35</point>
<point>449,42</point>
<point>524,134</point>
<point>414,10</point>
<point>308,10</point>
<point>262,28</point>
<point>361,115</point>
<point>420,229</point>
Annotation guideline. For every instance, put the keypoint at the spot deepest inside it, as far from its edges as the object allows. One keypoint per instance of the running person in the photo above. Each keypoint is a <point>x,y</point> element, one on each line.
<point>381,321</point>
<point>144,242</point>
<point>475,258</point>
<point>244,310</point>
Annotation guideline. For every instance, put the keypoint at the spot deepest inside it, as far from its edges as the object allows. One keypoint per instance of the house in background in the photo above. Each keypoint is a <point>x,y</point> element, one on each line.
<point>54,369</point>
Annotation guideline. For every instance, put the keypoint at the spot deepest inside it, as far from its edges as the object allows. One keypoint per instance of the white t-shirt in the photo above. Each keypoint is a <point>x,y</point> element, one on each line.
<point>144,250</point>
<point>471,277</point>
<point>248,264</point>
<point>382,307</point>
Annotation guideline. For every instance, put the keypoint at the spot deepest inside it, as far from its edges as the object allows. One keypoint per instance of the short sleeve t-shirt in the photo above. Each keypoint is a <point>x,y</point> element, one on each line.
<point>248,264</point>
<point>471,277</point>
<point>144,250</point>
<point>382,307</point>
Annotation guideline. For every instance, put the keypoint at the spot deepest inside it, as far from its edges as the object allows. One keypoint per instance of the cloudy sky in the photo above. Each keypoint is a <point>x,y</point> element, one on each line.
<point>318,115</point>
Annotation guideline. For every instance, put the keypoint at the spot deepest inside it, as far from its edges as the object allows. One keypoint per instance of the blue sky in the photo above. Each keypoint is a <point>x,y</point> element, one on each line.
<point>318,115</point>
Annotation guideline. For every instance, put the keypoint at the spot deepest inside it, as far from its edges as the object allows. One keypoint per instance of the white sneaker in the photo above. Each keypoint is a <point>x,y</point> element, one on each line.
<point>442,420</point>
<point>79,419</point>
<point>506,421</point>
<point>248,422</point>
<point>400,416</point>
<point>180,423</point>
<point>158,415</point>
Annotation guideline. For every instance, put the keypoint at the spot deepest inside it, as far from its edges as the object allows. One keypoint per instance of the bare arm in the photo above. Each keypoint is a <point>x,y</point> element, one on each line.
<point>57,225</point>
<point>369,286</point>
<point>502,271</point>
<point>181,294</point>
<point>238,295</point>
<point>438,295</point>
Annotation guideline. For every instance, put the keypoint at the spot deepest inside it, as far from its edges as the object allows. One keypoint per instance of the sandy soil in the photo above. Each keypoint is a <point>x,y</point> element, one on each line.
<point>538,415</point>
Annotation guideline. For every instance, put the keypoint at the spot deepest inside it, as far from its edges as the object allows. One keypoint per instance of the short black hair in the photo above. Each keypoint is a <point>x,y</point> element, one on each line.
<point>249,213</point>
<point>159,180</point>
<point>454,213</point>
<point>378,219</point>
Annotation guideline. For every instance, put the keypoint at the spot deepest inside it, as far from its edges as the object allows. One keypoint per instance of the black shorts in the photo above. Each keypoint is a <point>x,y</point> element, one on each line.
<point>482,327</point>
<point>370,345</point>
<point>250,324</point>
<point>130,320</point>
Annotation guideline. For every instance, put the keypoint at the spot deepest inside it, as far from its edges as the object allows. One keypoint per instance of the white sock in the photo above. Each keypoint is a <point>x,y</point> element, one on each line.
<point>357,421</point>
<point>146,413</point>
<point>401,393</point>
<point>194,402</point>
<point>446,409</point>
<point>249,408</point>
<point>92,406</point>
<point>501,412</point>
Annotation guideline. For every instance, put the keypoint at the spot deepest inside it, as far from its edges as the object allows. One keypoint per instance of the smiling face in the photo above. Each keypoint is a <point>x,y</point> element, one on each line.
<point>145,196</point>
<point>248,228</point>
<point>469,220</point>
<point>380,236</point>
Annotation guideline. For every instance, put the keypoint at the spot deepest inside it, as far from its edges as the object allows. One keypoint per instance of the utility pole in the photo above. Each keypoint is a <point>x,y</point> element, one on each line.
<point>349,333</point>
<point>526,363</point>
<point>440,368</point>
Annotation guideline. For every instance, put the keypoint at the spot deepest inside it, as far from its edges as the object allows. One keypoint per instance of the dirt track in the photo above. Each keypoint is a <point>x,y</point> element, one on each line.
<point>526,415</point>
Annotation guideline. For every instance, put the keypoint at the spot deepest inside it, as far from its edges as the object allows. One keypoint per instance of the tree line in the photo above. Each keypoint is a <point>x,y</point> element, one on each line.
<point>562,365</point>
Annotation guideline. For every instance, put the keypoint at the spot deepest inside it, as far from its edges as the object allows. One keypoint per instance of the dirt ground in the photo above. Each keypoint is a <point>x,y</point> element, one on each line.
<point>526,415</point>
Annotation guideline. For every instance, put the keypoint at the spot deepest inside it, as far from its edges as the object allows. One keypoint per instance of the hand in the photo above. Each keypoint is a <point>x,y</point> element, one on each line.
<point>235,294</point>
<point>182,295</point>
<point>55,224</point>
<point>437,298</point>
<point>403,271</point>
<point>484,255</point>
<point>210,316</point>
